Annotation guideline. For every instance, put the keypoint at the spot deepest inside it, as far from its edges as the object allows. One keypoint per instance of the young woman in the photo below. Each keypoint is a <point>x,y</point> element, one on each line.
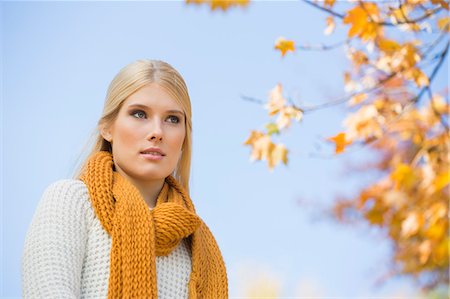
<point>125,226</point>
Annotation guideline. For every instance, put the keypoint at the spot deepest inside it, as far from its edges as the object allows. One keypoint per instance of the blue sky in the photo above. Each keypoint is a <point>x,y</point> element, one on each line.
<point>58,59</point>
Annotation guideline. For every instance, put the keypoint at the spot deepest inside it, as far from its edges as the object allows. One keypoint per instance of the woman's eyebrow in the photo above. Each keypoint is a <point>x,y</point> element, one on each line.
<point>146,107</point>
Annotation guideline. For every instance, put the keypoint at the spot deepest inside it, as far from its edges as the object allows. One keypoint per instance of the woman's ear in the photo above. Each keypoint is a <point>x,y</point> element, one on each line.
<point>106,133</point>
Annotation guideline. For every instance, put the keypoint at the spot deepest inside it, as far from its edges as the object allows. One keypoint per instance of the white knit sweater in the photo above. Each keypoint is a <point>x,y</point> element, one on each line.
<point>67,252</point>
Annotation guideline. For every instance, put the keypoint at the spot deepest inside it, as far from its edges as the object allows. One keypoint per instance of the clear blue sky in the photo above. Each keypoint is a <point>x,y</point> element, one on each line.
<point>57,61</point>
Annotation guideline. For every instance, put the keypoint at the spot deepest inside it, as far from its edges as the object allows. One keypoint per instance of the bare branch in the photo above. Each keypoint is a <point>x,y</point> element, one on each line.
<point>323,47</point>
<point>430,95</point>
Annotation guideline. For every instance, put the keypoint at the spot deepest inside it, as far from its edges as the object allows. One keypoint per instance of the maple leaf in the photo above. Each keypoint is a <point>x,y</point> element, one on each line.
<point>278,154</point>
<point>403,175</point>
<point>286,114</point>
<point>388,45</point>
<point>340,142</point>
<point>284,45</point>
<point>329,3</point>
<point>276,100</point>
<point>444,23</point>
<point>362,21</point>
<point>441,181</point>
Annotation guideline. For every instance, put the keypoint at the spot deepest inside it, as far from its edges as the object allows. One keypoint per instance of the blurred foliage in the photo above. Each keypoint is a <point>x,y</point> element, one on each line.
<point>396,50</point>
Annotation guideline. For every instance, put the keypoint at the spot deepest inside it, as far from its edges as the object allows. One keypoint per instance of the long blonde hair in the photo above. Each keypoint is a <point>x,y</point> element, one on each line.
<point>129,79</point>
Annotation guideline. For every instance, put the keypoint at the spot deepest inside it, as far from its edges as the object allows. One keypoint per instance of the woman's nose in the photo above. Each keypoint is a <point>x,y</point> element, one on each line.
<point>155,130</point>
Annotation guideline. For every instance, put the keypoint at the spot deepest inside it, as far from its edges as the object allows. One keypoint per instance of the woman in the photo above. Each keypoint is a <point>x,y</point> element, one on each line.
<point>125,226</point>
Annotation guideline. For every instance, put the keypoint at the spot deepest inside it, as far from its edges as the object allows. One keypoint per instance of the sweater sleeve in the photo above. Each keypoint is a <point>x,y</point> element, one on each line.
<point>54,245</point>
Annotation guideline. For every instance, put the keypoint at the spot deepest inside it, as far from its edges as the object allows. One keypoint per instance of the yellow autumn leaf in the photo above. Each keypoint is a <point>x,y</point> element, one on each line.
<point>398,14</point>
<point>411,224</point>
<point>329,3</point>
<point>264,149</point>
<point>360,20</point>
<point>424,251</point>
<point>366,123</point>
<point>441,181</point>
<point>436,212</point>
<point>278,154</point>
<point>436,231</point>
<point>403,175</point>
<point>254,135</point>
<point>331,25</point>
<point>359,58</point>
<point>284,45</point>
<point>276,100</point>
<point>441,252</point>
<point>388,45</point>
<point>286,114</point>
<point>444,23</point>
<point>340,142</point>
<point>417,76</point>
<point>358,98</point>
<point>220,4</point>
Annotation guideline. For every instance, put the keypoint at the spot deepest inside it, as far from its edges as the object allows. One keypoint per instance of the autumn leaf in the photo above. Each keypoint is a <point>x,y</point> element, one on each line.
<point>403,175</point>
<point>444,23</point>
<point>442,3</point>
<point>278,154</point>
<point>364,123</point>
<point>388,45</point>
<point>411,224</point>
<point>441,181</point>
<point>340,142</point>
<point>220,4</point>
<point>272,129</point>
<point>362,21</point>
<point>331,25</point>
<point>286,114</point>
<point>276,100</point>
<point>358,98</point>
<point>358,58</point>
<point>284,45</point>
<point>329,3</point>
<point>261,144</point>
<point>417,76</point>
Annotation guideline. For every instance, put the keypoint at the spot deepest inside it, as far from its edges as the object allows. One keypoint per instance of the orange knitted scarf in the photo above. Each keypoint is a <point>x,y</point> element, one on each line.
<point>139,234</point>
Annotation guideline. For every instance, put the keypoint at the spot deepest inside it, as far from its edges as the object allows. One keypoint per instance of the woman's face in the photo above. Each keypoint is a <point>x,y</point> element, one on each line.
<point>148,118</point>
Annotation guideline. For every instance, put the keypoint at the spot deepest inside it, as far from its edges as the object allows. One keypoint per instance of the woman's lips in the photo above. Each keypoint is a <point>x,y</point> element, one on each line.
<point>152,157</point>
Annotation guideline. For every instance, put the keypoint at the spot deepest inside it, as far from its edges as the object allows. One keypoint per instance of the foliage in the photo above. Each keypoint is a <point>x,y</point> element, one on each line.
<point>396,50</point>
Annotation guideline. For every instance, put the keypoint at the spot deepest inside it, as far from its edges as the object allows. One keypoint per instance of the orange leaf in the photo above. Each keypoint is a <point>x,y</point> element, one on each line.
<point>444,23</point>
<point>329,3</point>
<point>340,142</point>
<point>284,45</point>
<point>362,21</point>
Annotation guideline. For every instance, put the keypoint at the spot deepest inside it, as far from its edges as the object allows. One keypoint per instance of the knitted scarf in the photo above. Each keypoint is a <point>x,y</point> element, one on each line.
<point>139,234</point>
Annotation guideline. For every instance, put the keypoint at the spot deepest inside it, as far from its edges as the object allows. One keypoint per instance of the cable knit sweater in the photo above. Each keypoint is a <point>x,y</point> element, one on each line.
<point>67,252</point>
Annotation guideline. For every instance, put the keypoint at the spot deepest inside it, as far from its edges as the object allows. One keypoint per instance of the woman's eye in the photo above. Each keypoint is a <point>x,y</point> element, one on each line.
<point>174,118</point>
<point>138,112</point>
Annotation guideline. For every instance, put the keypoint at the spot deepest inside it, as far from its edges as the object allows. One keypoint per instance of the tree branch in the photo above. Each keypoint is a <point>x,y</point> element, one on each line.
<point>383,23</point>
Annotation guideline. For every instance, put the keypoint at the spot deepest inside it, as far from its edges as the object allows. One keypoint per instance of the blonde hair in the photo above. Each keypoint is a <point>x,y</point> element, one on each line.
<point>129,79</point>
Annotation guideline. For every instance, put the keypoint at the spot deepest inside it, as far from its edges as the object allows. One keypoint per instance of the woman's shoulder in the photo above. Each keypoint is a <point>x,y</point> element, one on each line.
<point>65,189</point>
<point>65,196</point>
